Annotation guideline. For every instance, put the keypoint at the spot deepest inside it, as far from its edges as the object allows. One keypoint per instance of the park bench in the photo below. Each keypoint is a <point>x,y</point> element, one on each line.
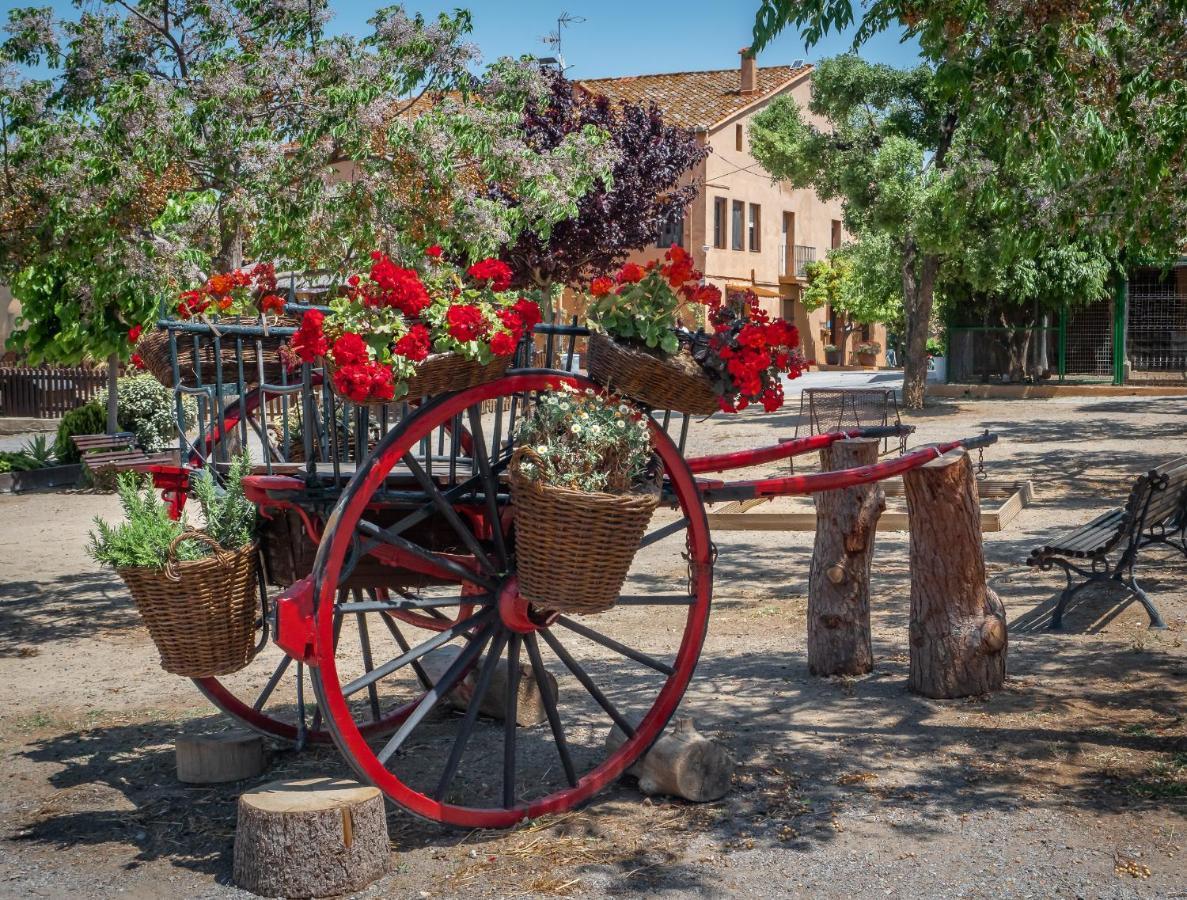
<point>104,454</point>
<point>1155,513</point>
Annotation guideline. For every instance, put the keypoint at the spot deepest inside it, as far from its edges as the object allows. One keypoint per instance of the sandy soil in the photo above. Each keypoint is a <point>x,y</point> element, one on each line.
<point>1072,781</point>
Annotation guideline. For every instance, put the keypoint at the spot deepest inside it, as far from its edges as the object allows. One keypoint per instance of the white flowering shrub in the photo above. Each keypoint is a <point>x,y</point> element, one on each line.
<point>148,409</point>
<point>585,441</point>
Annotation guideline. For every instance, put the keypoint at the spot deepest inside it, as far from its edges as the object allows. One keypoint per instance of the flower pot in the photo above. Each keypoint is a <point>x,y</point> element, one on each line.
<point>153,348</point>
<point>867,359</point>
<point>200,614</point>
<point>675,382</point>
<point>832,358</point>
<point>555,575</point>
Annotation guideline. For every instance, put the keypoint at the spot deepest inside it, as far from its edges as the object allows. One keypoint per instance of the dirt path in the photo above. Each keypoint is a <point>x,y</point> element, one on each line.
<point>1070,782</point>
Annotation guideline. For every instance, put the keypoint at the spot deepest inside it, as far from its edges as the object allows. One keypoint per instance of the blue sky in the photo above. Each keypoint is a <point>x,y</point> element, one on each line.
<point>618,37</point>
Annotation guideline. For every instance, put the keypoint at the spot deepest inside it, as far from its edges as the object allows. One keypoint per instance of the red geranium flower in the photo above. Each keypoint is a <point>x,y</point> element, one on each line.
<point>350,349</point>
<point>415,345</point>
<point>220,284</point>
<point>134,333</point>
<point>601,286</point>
<point>529,311</point>
<point>433,252</point>
<point>512,321</point>
<point>309,342</point>
<point>503,344</point>
<point>465,322</point>
<point>495,271</point>
<point>631,273</point>
<point>361,383</point>
<point>272,303</point>
<point>138,361</point>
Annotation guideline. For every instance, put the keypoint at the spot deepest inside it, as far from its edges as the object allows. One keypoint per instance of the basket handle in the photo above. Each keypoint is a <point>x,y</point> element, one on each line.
<point>192,534</point>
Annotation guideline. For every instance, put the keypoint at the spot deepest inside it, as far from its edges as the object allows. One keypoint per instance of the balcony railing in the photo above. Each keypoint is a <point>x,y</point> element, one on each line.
<point>803,256</point>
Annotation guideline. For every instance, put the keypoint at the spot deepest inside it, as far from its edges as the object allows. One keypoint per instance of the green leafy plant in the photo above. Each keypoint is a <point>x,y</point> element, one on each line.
<point>39,451</point>
<point>142,541</point>
<point>229,516</point>
<point>830,348</point>
<point>935,347</point>
<point>148,409</point>
<point>871,348</point>
<point>585,441</point>
<point>90,418</point>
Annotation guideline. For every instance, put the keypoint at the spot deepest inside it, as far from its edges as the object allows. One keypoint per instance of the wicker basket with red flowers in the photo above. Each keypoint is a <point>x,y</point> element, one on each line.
<point>415,332</point>
<point>641,345</point>
<point>239,297</point>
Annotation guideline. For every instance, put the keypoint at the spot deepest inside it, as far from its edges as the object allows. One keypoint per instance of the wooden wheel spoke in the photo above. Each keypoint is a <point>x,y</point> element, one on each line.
<point>611,644</point>
<point>442,637</point>
<point>447,683</point>
<point>450,514</point>
<point>510,714</point>
<point>270,685</point>
<point>588,683</point>
<point>368,662</point>
<point>416,605</point>
<point>490,484</point>
<point>554,716</point>
<point>481,688</point>
<point>680,525</point>
<point>402,642</point>
<point>460,572</point>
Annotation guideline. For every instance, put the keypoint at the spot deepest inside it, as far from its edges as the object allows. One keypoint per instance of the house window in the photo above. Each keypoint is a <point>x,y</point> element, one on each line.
<point>719,222</point>
<point>754,236</point>
<point>738,214</point>
<point>739,139</point>
<point>672,232</point>
<point>836,235</point>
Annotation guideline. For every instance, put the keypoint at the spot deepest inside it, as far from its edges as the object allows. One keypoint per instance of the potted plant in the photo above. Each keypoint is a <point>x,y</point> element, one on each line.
<point>583,471</point>
<point>238,297</point>
<point>639,345</point>
<point>397,331</point>
<point>194,589</point>
<point>832,356</point>
<point>867,353</point>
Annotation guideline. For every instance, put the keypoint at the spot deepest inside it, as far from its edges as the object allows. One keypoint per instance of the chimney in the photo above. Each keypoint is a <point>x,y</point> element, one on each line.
<point>749,83</point>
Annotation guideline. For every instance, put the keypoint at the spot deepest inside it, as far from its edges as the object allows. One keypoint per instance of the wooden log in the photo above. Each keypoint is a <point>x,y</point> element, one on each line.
<point>219,758</point>
<point>958,625</point>
<point>529,708</point>
<point>839,578</point>
<point>682,763</point>
<point>317,837</point>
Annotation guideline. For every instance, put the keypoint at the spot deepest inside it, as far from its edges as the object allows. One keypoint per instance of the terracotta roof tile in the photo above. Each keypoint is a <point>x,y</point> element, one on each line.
<point>693,99</point>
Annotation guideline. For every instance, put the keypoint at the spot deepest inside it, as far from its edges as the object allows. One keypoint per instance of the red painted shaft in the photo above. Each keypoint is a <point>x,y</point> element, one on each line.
<point>743,458</point>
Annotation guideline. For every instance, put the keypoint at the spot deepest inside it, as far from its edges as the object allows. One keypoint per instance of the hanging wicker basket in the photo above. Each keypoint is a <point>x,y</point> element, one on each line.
<point>439,373</point>
<point>675,382</point>
<point>153,348</point>
<point>553,573</point>
<point>286,549</point>
<point>200,614</point>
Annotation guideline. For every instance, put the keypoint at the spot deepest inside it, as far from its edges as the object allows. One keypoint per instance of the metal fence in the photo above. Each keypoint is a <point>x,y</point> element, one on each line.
<point>47,392</point>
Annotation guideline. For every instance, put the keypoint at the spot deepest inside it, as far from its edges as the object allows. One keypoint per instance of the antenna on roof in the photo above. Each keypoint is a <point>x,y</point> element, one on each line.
<point>553,39</point>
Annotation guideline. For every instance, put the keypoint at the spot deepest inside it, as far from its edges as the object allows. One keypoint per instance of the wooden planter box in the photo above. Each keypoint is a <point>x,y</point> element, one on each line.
<point>40,479</point>
<point>1001,501</point>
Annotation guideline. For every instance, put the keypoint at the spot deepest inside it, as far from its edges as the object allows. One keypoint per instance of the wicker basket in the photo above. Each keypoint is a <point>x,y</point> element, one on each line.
<point>201,614</point>
<point>153,348</point>
<point>439,373</point>
<point>674,382</point>
<point>574,548</point>
<point>287,551</point>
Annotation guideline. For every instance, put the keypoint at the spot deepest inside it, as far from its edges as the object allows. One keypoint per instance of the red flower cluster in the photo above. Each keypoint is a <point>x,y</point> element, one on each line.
<point>134,333</point>
<point>416,344</point>
<point>272,303</point>
<point>601,286</point>
<point>495,271</point>
<point>364,382</point>
<point>433,252</point>
<point>225,290</point>
<point>390,285</point>
<point>753,351</point>
<point>631,273</point>
<point>465,322</point>
<point>310,341</point>
<point>350,350</point>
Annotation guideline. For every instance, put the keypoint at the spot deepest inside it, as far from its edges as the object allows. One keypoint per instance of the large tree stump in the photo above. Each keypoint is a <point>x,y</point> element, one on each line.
<point>682,763</point>
<point>529,708</point>
<point>219,758</point>
<point>958,625</point>
<point>318,837</point>
<point>839,580</point>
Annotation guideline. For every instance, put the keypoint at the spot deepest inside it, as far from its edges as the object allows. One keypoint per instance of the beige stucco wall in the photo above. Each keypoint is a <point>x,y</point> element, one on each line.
<point>9,310</point>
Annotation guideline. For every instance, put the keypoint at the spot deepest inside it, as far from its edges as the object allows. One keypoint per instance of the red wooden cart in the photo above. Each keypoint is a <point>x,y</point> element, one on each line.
<point>394,538</point>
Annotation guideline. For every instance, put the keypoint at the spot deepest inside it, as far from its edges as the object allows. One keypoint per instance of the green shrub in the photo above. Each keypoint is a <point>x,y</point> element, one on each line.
<point>91,418</point>
<point>230,517</point>
<point>148,410</point>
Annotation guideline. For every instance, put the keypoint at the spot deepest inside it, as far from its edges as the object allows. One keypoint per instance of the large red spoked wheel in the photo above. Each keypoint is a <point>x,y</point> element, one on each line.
<point>627,667</point>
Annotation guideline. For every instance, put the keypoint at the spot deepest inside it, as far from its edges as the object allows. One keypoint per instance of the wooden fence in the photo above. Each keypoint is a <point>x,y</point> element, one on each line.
<point>47,392</point>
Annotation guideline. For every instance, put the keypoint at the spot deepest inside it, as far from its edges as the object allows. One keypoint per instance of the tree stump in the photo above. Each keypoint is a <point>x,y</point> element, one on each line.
<point>317,837</point>
<point>682,763</point>
<point>958,625</point>
<point>219,758</point>
<point>839,579</point>
<point>529,709</point>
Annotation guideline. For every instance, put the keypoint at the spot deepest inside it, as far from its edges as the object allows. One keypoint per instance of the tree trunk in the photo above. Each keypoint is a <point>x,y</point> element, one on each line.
<point>958,625</point>
<point>220,758</point>
<point>314,838</point>
<point>918,295</point>
<point>230,252</point>
<point>839,579</point>
<point>113,374</point>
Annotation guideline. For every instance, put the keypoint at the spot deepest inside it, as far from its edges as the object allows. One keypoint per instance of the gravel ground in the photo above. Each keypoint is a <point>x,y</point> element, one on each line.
<point>1071,781</point>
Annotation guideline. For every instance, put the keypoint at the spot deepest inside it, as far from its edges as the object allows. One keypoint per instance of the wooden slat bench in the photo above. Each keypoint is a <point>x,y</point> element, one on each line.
<point>1155,513</point>
<point>107,453</point>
